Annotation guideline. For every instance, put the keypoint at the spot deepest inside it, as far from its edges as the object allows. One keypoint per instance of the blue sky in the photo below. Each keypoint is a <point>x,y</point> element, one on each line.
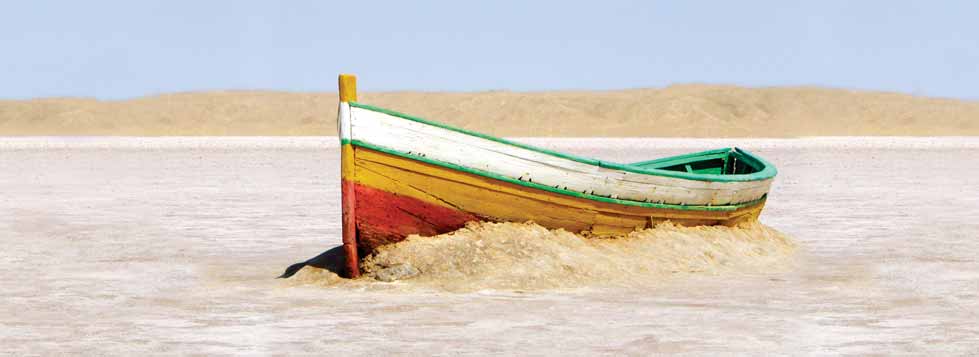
<point>122,49</point>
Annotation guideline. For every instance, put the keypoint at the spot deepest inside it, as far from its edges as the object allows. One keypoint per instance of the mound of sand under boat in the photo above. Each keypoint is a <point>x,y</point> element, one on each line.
<point>527,256</point>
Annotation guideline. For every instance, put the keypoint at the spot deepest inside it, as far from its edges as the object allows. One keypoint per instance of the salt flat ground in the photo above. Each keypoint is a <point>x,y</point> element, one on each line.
<point>117,246</point>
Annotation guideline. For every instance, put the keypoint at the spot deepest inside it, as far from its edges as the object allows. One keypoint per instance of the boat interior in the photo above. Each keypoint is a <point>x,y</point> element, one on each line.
<point>727,161</point>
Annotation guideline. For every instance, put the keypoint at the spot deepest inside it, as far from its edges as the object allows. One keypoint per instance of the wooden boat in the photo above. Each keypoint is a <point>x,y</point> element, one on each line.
<point>404,175</point>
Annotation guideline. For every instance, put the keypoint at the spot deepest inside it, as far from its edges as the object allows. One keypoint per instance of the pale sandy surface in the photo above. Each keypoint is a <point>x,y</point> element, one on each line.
<point>675,111</point>
<point>122,246</point>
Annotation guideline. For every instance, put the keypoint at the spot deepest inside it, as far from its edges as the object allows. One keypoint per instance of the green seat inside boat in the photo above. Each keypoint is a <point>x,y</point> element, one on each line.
<point>727,161</point>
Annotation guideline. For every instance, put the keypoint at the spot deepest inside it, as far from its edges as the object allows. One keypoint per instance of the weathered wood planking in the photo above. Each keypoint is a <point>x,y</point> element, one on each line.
<point>497,200</point>
<point>436,143</point>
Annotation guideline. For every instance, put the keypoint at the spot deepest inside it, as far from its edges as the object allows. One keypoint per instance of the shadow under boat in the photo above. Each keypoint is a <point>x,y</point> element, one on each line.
<point>332,260</point>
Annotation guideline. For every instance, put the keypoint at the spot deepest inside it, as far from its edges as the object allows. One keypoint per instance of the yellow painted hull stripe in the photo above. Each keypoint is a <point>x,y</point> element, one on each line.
<point>504,201</point>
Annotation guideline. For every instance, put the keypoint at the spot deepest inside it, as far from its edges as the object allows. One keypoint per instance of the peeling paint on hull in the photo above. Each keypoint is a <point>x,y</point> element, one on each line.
<point>386,217</point>
<point>397,197</point>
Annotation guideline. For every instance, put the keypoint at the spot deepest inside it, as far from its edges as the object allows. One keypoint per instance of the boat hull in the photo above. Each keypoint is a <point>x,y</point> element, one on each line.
<point>402,175</point>
<point>397,196</point>
<point>399,133</point>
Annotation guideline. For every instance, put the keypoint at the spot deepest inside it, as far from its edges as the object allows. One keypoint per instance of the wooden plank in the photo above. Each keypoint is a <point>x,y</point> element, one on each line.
<point>456,148</point>
<point>503,201</point>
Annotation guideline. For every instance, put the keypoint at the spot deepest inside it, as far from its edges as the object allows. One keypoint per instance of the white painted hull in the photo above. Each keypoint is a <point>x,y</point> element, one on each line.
<point>481,154</point>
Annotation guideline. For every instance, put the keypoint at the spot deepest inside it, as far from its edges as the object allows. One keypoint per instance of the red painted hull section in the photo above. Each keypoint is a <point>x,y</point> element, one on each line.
<point>384,217</point>
<point>349,233</point>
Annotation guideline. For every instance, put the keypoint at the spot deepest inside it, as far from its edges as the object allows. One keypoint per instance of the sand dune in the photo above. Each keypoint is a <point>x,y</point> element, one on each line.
<point>680,110</point>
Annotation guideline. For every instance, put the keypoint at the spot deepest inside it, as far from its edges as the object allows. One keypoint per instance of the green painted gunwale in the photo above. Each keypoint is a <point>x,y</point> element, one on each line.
<point>557,190</point>
<point>766,169</point>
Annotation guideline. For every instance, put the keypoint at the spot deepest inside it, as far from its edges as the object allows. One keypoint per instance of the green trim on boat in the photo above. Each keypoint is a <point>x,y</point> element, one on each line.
<point>765,169</point>
<point>673,160</point>
<point>554,189</point>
